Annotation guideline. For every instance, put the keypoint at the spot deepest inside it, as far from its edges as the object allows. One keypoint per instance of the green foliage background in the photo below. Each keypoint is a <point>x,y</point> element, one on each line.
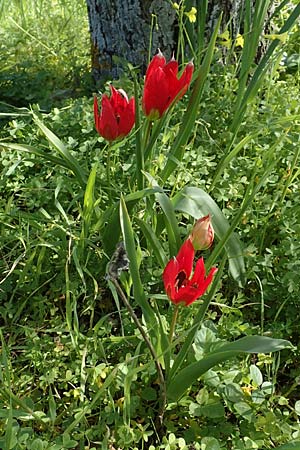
<point>74,371</point>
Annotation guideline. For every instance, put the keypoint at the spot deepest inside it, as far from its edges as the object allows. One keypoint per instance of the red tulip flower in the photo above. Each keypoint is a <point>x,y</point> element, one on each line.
<point>180,284</point>
<point>117,115</point>
<point>162,86</point>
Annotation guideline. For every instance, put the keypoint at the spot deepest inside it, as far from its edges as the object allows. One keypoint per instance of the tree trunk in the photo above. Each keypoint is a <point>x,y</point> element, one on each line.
<point>124,30</point>
<point>132,30</point>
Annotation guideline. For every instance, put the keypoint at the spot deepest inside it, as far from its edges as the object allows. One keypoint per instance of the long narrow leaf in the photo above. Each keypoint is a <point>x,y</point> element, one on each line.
<point>249,344</point>
<point>189,118</point>
<point>138,290</point>
<point>261,70</point>
<point>71,162</point>
<point>170,217</point>
<point>111,234</point>
<point>88,207</point>
<point>138,138</point>
<point>35,151</point>
<point>154,242</point>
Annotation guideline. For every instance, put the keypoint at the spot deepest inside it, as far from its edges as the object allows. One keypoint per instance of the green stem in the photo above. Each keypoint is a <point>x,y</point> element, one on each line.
<point>173,323</point>
<point>147,136</point>
<point>150,347</point>
<point>108,169</point>
<point>139,149</point>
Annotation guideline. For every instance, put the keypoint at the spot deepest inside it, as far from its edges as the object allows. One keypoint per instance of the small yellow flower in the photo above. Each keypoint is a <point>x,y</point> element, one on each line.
<point>226,40</point>
<point>281,37</point>
<point>192,15</point>
<point>247,390</point>
<point>176,6</point>
<point>239,41</point>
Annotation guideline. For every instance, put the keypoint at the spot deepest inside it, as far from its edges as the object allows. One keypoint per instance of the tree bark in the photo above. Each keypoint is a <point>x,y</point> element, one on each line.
<point>124,30</point>
<point>132,30</point>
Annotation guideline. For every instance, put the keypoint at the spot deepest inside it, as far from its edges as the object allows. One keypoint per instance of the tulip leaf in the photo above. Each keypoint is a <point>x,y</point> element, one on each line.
<point>154,242</point>
<point>138,138</point>
<point>35,151</point>
<point>295,445</point>
<point>171,221</point>
<point>138,290</point>
<point>111,233</point>
<point>197,203</point>
<point>70,161</point>
<point>249,344</point>
<point>190,115</point>
<point>88,206</point>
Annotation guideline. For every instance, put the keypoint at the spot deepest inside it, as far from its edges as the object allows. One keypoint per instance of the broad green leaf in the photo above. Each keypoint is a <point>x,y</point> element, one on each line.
<point>197,203</point>
<point>249,344</point>
<point>256,375</point>
<point>210,443</point>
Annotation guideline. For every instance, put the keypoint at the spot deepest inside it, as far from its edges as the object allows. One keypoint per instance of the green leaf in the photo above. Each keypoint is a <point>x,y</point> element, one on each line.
<point>290,446</point>
<point>129,243</point>
<point>212,410</point>
<point>154,242</point>
<point>297,407</point>
<point>35,151</point>
<point>197,203</point>
<point>249,344</point>
<point>171,220</point>
<point>190,115</point>
<point>111,233</point>
<point>256,375</point>
<point>210,443</point>
<point>88,207</point>
<point>70,161</point>
<point>244,410</point>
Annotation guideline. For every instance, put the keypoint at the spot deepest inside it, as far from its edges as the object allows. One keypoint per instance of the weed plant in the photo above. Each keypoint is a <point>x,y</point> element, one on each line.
<point>74,369</point>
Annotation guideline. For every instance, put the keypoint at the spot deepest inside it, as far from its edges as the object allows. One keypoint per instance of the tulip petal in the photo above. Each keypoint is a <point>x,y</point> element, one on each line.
<point>162,86</point>
<point>185,257</point>
<point>117,115</point>
<point>176,276</point>
<point>127,118</point>
<point>108,127</point>
<point>157,61</point>
<point>169,277</point>
<point>184,81</point>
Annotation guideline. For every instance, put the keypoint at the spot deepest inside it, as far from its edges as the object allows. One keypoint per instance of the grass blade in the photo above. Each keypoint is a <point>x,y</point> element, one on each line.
<point>70,161</point>
<point>192,110</point>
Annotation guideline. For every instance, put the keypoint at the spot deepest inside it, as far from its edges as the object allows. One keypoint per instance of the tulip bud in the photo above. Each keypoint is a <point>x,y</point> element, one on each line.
<point>202,235</point>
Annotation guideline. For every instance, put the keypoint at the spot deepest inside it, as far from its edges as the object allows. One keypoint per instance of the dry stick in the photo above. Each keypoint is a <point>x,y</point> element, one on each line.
<point>150,346</point>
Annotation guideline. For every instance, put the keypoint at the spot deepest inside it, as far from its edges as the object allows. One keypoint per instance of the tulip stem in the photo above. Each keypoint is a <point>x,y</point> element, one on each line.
<point>147,136</point>
<point>108,168</point>
<point>173,323</point>
<point>150,347</point>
